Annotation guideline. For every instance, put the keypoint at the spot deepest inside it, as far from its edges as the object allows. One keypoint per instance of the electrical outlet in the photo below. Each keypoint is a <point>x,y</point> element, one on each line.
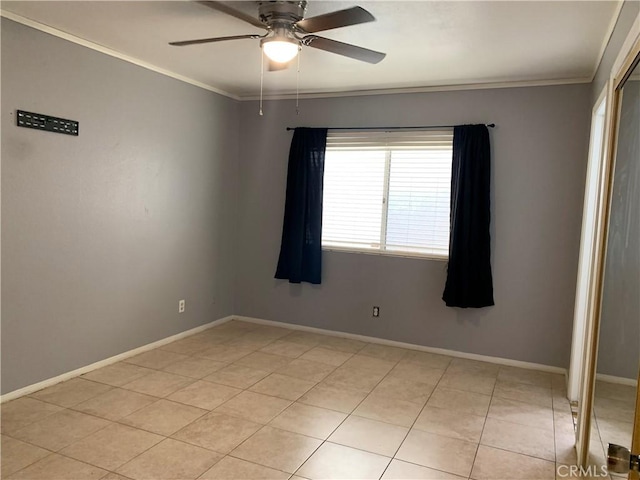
<point>181,306</point>
<point>376,311</point>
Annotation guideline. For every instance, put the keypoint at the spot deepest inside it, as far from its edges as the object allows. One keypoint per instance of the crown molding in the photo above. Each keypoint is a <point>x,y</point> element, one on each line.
<point>112,53</point>
<point>287,95</point>
<point>438,88</point>
<point>607,37</point>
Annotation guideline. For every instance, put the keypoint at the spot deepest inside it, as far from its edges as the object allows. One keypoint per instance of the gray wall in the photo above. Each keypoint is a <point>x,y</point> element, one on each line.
<point>628,14</point>
<point>539,164</point>
<point>161,198</point>
<point>103,233</point>
<point>619,349</point>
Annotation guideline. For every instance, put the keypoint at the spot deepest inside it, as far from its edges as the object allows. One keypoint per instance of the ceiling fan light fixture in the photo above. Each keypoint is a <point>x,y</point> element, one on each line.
<point>280,49</point>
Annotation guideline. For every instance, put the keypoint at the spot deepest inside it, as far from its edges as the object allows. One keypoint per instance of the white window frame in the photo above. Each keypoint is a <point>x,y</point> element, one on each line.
<point>384,145</point>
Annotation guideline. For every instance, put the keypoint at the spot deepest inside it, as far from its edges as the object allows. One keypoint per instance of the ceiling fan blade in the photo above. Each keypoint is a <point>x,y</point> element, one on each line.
<point>276,66</point>
<point>341,18</point>
<point>221,7</point>
<point>211,40</point>
<point>346,49</point>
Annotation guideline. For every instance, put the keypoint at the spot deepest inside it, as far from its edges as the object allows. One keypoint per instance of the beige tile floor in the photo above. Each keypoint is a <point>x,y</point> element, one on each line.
<point>247,401</point>
<point>612,421</point>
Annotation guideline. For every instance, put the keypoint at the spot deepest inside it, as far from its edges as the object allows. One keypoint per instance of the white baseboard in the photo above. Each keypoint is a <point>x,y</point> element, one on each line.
<point>411,346</point>
<point>381,341</point>
<point>631,382</point>
<point>108,361</point>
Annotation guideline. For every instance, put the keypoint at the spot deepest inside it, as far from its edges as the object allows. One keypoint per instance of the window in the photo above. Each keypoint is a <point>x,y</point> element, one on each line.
<point>388,192</point>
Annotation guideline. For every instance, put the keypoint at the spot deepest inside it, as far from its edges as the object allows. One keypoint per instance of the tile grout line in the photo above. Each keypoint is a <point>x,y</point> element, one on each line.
<point>118,422</point>
<point>163,440</point>
<point>292,402</point>
<point>194,355</point>
<point>415,420</point>
<point>349,414</point>
<point>165,437</point>
<point>59,452</point>
<point>386,375</point>
<point>360,403</point>
<point>555,440</point>
<point>520,453</point>
<point>345,418</point>
<point>35,461</point>
<point>475,457</point>
<point>111,422</point>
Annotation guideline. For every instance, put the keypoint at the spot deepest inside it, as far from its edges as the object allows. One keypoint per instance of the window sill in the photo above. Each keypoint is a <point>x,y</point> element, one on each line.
<point>417,256</point>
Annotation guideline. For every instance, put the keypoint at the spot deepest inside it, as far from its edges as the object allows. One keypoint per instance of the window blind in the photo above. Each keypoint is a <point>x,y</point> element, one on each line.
<point>352,205</point>
<point>396,139</point>
<point>388,191</point>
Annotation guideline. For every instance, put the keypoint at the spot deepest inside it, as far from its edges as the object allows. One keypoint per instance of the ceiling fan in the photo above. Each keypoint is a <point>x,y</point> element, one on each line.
<point>287,31</point>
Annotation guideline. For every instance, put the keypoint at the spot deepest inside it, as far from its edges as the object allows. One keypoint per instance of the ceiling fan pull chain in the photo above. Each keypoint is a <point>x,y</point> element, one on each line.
<point>287,31</point>
<point>298,83</point>
<point>261,79</point>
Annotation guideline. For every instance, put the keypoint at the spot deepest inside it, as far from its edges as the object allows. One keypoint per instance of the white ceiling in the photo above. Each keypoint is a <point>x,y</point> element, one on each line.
<point>428,43</point>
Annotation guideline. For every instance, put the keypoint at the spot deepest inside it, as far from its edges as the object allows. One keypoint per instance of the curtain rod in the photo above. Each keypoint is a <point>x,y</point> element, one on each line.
<point>424,127</point>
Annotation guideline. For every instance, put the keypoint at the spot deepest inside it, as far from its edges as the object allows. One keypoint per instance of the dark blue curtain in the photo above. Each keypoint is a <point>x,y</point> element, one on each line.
<point>469,279</point>
<point>301,248</point>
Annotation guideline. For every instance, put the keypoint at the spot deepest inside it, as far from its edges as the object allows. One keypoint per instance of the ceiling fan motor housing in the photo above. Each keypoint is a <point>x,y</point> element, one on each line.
<point>287,29</point>
<point>281,13</point>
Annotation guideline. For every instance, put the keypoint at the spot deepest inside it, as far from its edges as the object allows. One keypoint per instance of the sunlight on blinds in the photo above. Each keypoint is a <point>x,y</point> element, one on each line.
<point>388,191</point>
<point>419,198</point>
<point>352,200</point>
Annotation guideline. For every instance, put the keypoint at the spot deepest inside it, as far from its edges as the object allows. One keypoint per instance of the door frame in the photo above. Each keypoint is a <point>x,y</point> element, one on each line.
<point>585,278</point>
<point>629,54</point>
<point>635,439</point>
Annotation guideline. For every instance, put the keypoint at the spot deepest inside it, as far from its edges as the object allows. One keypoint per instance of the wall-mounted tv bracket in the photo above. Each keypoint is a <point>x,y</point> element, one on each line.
<point>39,121</point>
